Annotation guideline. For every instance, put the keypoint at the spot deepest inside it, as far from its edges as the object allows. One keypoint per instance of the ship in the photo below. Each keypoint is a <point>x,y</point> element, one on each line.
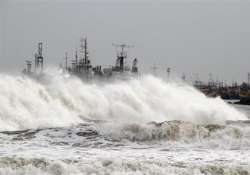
<point>82,67</point>
<point>37,72</point>
<point>244,94</point>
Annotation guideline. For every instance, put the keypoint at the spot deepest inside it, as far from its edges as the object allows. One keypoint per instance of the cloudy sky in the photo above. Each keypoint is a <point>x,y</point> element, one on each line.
<point>195,37</point>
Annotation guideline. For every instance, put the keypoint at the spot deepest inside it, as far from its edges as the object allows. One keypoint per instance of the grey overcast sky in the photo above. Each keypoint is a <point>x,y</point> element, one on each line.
<point>190,36</point>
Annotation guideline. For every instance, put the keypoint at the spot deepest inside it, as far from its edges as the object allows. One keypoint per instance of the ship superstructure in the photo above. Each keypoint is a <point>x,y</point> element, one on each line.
<point>81,66</point>
<point>39,61</point>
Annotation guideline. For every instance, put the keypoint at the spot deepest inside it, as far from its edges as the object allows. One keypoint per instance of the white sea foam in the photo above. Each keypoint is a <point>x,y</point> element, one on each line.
<point>60,100</point>
<point>20,166</point>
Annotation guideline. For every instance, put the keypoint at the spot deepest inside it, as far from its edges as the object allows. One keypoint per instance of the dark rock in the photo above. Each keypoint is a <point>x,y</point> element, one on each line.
<point>87,133</point>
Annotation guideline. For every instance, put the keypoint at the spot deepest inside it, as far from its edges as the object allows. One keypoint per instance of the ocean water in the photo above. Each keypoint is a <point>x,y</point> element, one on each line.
<point>61,125</point>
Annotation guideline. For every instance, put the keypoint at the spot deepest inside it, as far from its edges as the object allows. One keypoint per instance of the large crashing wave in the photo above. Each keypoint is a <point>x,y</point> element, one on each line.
<point>60,100</point>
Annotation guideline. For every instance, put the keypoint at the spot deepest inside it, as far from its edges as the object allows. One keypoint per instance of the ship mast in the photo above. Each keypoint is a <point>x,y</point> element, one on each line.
<point>39,58</point>
<point>121,56</point>
<point>84,64</point>
<point>66,61</point>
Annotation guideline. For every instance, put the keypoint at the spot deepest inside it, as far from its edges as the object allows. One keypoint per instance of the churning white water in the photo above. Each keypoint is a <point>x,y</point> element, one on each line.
<point>61,125</point>
<point>62,101</point>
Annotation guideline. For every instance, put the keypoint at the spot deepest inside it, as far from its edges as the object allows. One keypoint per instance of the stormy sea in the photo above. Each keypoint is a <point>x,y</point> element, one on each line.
<point>61,125</point>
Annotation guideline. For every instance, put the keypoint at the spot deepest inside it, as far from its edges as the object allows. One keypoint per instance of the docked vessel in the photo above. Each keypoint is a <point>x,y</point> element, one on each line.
<point>244,94</point>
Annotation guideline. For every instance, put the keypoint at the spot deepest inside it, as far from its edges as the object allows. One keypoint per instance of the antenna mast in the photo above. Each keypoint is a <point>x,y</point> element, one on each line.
<point>248,79</point>
<point>66,61</point>
<point>121,56</point>
<point>39,58</point>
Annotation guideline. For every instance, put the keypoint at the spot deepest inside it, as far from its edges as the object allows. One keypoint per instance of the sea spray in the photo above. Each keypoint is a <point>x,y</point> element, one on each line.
<point>61,100</point>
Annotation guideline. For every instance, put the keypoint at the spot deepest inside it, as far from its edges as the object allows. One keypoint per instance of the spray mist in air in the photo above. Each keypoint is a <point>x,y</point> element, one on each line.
<point>60,100</point>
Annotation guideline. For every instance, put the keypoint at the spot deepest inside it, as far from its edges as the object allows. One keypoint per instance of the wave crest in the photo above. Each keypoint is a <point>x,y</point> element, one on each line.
<point>63,101</point>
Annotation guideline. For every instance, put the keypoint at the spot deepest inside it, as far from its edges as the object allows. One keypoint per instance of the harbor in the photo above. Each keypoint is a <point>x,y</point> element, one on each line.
<point>80,65</point>
<point>124,87</point>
